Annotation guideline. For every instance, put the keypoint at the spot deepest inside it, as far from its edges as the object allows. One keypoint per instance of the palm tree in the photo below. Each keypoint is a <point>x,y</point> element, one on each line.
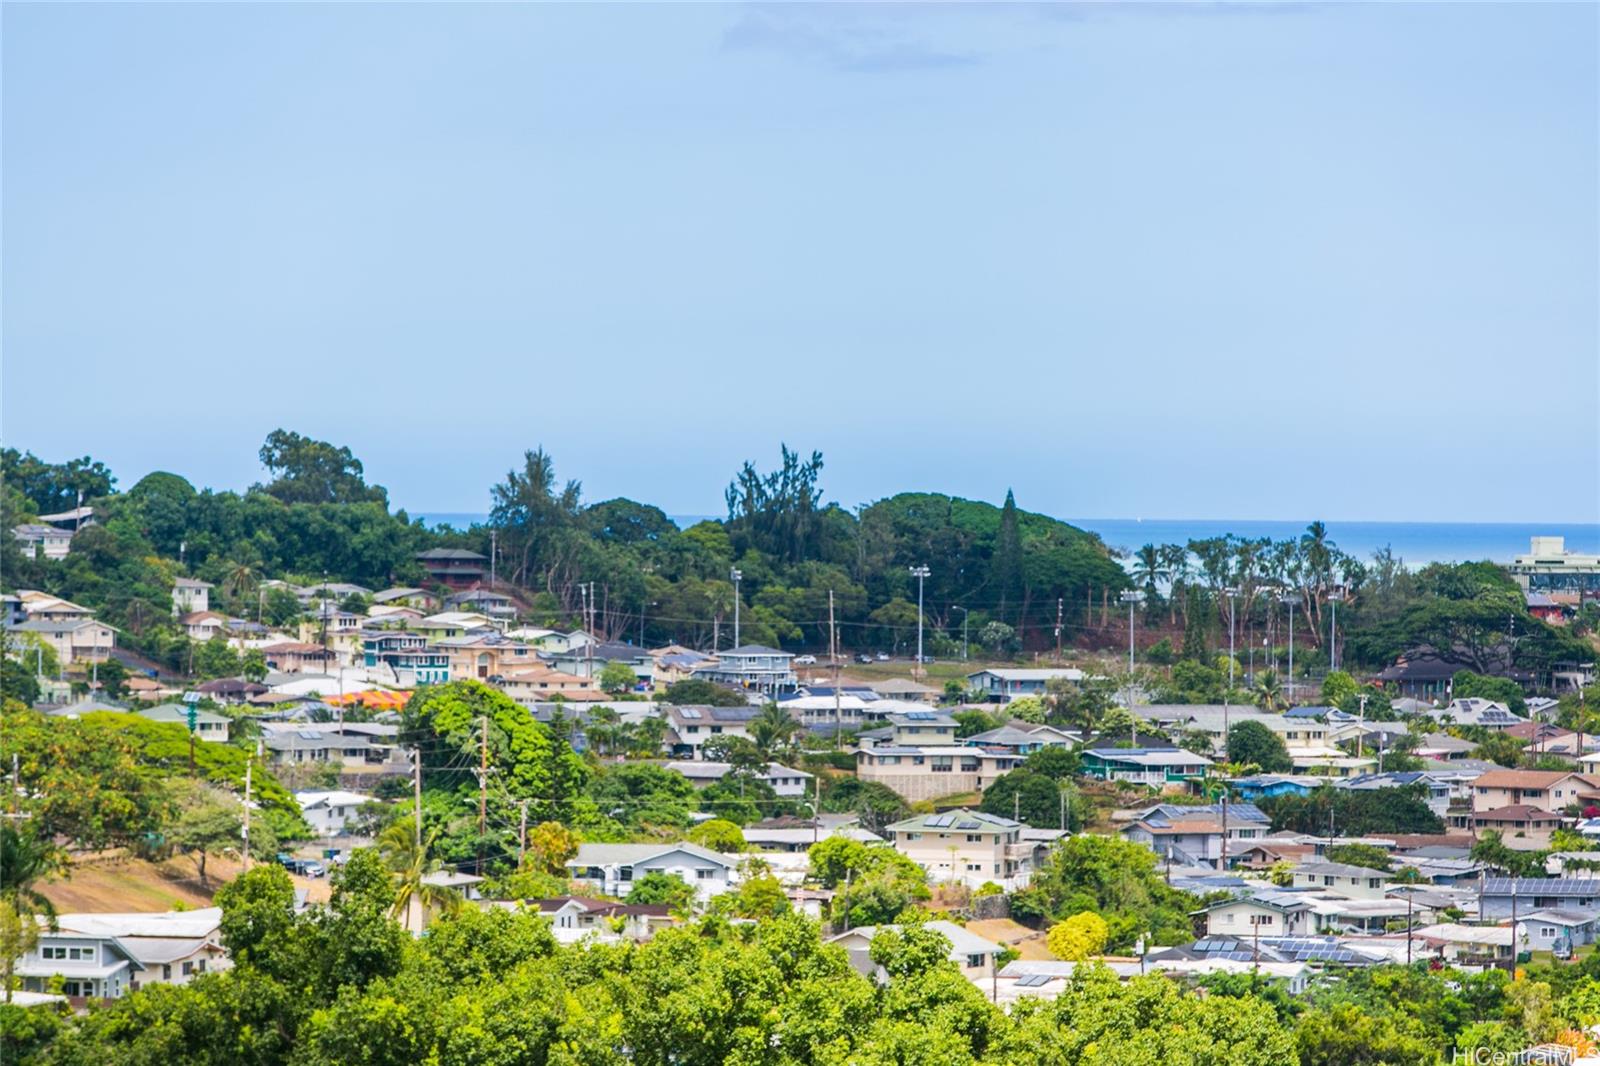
<point>1149,571</point>
<point>410,866</point>
<point>773,729</point>
<point>1269,691</point>
<point>24,861</point>
<point>240,579</point>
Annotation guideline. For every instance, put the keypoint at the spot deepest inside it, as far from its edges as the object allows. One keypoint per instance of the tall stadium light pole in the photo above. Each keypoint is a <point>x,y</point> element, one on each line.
<point>920,573</point>
<point>1130,598</point>
<point>1232,594</point>
<point>1334,596</point>
<point>737,575</point>
<point>1288,601</point>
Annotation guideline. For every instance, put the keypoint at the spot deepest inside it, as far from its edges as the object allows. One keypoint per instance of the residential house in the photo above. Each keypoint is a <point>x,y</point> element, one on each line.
<point>537,684</point>
<point>690,726</point>
<point>1468,945</point>
<point>1270,786</point>
<point>798,834</point>
<point>1157,767</point>
<point>455,568</point>
<point>43,607</point>
<point>486,654</point>
<point>1193,836</point>
<point>1444,747</point>
<point>230,689</point>
<point>318,745</point>
<point>1436,788</point>
<point>574,918</point>
<point>13,612</point>
<point>339,631</point>
<point>330,813</point>
<point>40,541</point>
<point>81,640</point>
<point>611,869</point>
<point>1357,882</point>
<point>1474,710</point>
<point>901,688</point>
<point>407,655</point>
<point>970,847</point>
<point>1547,790</point>
<point>448,624</point>
<point>1011,739</point>
<point>827,713</point>
<point>1424,674</point>
<point>928,772</point>
<point>201,626</point>
<point>1522,827</point>
<point>751,666</point>
<point>787,783</point>
<point>190,596</point>
<point>298,657</point>
<point>494,604</point>
<point>207,725</point>
<point>1279,913</point>
<point>105,955</point>
<point>1544,738</point>
<point>975,955</point>
<point>1556,930</point>
<point>419,599</point>
<point>1001,685</point>
<point>1501,897</point>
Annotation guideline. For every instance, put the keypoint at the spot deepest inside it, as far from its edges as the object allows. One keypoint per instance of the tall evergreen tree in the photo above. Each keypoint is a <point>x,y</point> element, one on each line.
<point>1006,568</point>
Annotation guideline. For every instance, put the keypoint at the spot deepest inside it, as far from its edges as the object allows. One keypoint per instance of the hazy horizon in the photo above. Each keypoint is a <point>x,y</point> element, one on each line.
<point>1152,261</point>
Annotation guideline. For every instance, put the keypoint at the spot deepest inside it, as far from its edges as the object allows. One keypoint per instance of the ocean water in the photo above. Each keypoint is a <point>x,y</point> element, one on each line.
<point>1417,543</point>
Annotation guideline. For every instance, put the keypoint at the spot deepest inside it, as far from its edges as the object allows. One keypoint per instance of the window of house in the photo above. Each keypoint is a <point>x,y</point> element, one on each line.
<point>625,874</point>
<point>974,961</point>
<point>188,968</point>
<point>705,875</point>
<point>1547,931</point>
<point>975,866</point>
<point>716,729</point>
<point>166,971</point>
<point>974,838</point>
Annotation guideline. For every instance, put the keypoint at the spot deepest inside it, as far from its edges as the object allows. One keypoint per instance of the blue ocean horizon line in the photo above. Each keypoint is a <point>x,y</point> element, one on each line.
<point>1417,543</point>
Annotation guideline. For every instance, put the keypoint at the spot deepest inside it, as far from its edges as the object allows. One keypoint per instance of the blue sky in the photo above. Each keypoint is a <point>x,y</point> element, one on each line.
<point>1142,261</point>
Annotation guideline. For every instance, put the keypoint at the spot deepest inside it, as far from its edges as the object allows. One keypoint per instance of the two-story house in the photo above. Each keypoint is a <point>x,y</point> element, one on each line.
<point>190,596</point>
<point>1002,685</point>
<point>298,657</point>
<point>1548,790</point>
<point>80,640</point>
<point>105,956</point>
<point>1193,836</point>
<point>931,771</point>
<point>1259,915</point>
<point>969,847</point>
<point>455,568</point>
<point>1156,767</point>
<point>405,596</point>
<point>407,655</point>
<point>329,813</point>
<point>486,654</point>
<point>40,541</point>
<point>751,666</point>
<point>689,727</point>
<point>611,869</point>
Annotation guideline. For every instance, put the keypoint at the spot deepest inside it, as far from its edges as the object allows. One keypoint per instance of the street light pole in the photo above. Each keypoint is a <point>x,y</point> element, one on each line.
<point>1130,598</point>
<point>920,573</point>
<point>737,575</point>
<point>1232,594</point>
<point>1333,628</point>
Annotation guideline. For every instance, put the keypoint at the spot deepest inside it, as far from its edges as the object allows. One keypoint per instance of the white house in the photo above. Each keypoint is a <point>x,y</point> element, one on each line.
<point>751,666</point>
<point>611,869</point>
<point>190,596</point>
<point>1006,684</point>
<point>329,813</point>
<point>689,727</point>
<point>42,541</point>
<point>1357,882</point>
<point>207,724</point>
<point>970,847</point>
<point>1263,914</point>
<point>973,953</point>
<point>790,784</point>
<point>105,956</point>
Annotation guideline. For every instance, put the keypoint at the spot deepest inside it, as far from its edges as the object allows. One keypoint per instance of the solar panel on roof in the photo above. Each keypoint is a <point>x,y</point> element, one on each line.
<point>970,825</point>
<point>1033,980</point>
<point>689,712</point>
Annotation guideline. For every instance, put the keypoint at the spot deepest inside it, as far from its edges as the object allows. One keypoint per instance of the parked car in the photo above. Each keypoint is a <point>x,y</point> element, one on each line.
<point>303,867</point>
<point>863,658</point>
<point>805,660</point>
<point>883,656</point>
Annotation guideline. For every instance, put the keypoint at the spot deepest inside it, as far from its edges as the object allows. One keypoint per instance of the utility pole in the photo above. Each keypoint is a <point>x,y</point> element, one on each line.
<point>416,792</point>
<point>1333,628</point>
<point>1361,724</point>
<point>1016,806</point>
<point>1232,593</point>
<point>493,535</point>
<point>249,765</point>
<point>483,784</point>
<point>1288,601</point>
<point>1059,603</point>
<point>522,832</point>
<point>816,808</point>
<point>737,575</point>
<point>1061,795</point>
<point>833,657</point>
